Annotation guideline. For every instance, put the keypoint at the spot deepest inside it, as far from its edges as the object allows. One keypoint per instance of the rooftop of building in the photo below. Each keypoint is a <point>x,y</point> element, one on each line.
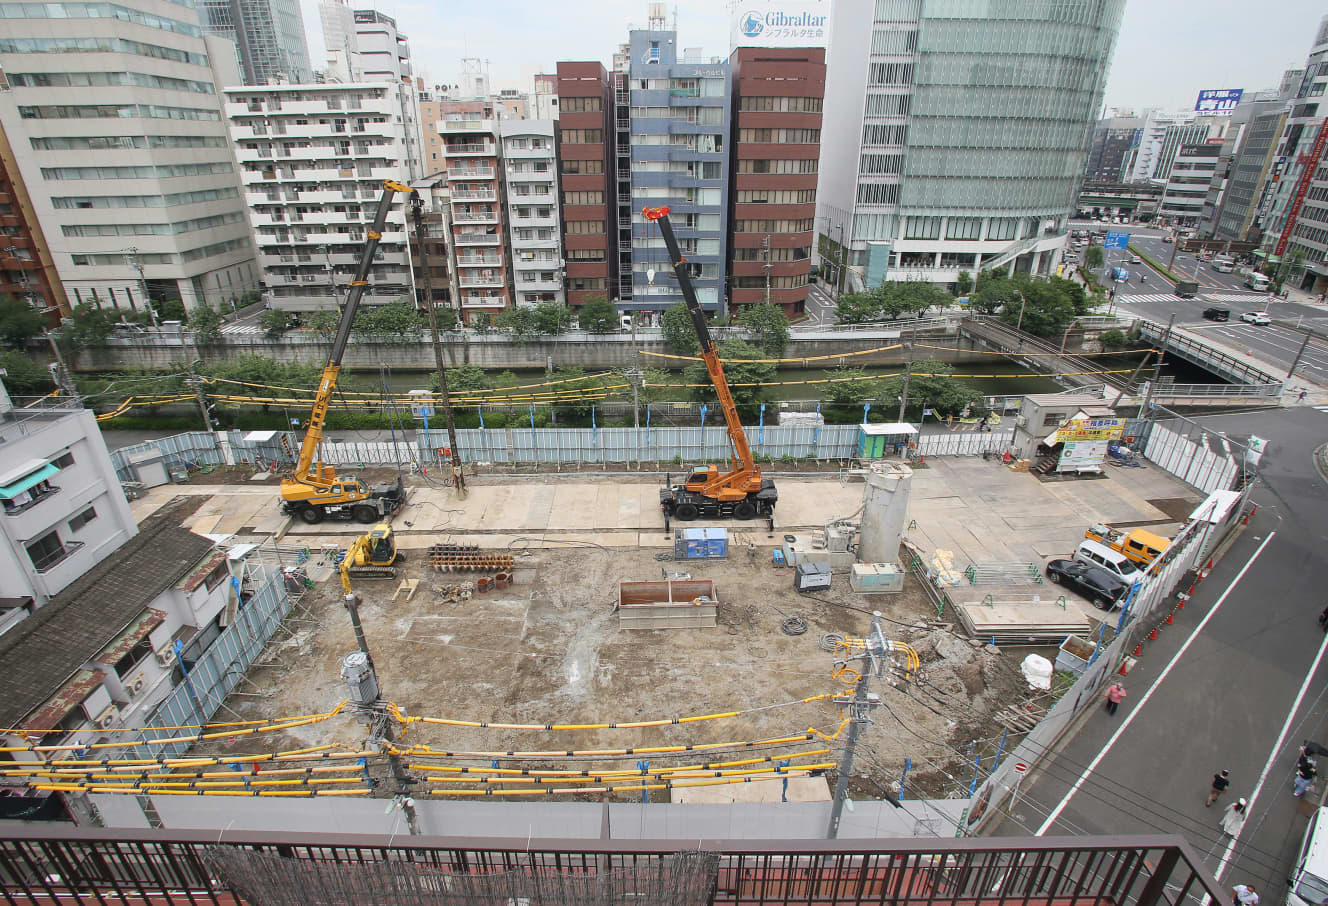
<point>30,416</point>
<point>45,651</point>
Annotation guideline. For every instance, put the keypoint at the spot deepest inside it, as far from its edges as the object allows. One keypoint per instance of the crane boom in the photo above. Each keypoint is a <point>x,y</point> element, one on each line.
<point>313,435</point>
<point>740,492</point>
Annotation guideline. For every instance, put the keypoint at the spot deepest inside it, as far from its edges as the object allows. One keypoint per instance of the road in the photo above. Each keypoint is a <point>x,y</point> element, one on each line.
<point>1231,690</point>
<point>820,306</point>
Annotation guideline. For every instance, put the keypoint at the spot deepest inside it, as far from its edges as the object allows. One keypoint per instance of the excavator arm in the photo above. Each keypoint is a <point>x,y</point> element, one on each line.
<point>744,475</point>
<point>307,471</point>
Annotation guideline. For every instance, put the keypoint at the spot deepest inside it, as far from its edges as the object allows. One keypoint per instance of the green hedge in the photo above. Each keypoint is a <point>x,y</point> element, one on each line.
<point>1174,278</point>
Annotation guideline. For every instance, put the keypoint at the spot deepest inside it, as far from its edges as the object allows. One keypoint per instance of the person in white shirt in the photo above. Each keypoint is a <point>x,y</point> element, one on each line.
<point>1244,895</point>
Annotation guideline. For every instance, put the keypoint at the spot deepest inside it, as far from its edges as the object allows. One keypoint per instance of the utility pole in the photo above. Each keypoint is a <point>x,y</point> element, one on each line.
<point>1175,244</point>
<point>903,396</point>
<point>765,243</point>
<point>196,382</point>
<point>1157,367</point>
<point>1134,375</point>
<point>417,214</point>
<point>142,283</point>
<point>860,708</point>
<point>1292,370</point>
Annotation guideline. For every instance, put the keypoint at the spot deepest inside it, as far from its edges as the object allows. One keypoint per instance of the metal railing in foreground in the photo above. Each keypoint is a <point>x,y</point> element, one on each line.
<point>120,866</point>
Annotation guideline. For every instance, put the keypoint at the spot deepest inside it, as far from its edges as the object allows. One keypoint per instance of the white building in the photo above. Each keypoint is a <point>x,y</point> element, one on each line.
<point>104,653</point>
<point>544,102</point>
<point>473,151</point>
<point>532,211</point>
<point>64,510</point>
<point>1143,161</point>
<point>116,126</point>
<point>952,143</point>
<point>313,159</point>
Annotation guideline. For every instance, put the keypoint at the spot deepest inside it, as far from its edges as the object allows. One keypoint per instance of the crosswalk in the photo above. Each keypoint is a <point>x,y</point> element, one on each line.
<point>241,329</point>
<point>1239,297</point>
<point>1147,297</point>
<point>1215,297</point>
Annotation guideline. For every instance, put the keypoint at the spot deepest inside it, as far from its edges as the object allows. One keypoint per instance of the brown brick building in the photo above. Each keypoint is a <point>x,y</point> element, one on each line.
<point>586,168</point>
<point>26,269</point>
<point>777,96</point>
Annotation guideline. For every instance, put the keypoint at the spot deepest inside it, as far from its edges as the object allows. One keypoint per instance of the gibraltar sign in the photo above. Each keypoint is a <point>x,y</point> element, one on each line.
<point>780,24</point>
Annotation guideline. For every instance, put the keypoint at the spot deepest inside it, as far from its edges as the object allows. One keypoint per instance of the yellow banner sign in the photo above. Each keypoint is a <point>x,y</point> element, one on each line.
<point>1090,429</point>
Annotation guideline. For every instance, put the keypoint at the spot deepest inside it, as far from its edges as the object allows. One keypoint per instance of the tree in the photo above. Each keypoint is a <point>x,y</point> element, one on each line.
<point>206,322</point>
<point>964,283</point>
<point>553,318</point>
<point>87,326</point>
<point>738,372</point>
<point>24,377</point>
<point>845,394</point>
<point>521,322</point>
<point>1114,339</point>
<point>275,322</point>
<point>324,322</point>
<point>992,291</point>
<point>171,309</point>
<point>462,379</point>
<point>912,297</point>
<point>446,317</point>
<point>395,320</point>
<point>932,385</point>
<point>855,308</point>
<point>1047,312</point>
<point>597,314</point>
<point>767,327</point>
<point>1074,291</point>
<point>679,334</point>
<point>257,369</point>
<point>19,321</point>
<point>1094,258</point>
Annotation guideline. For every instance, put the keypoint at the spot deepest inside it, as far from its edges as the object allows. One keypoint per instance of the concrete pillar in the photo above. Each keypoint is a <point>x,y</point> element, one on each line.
<point>884,513</point>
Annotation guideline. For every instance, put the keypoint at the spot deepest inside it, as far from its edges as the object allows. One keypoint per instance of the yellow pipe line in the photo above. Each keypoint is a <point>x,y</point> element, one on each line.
<point>94,774</point>
<point>138,791</point>
<point>615,725</point>
<point>634,788</point>
<point>224,734</point>
<point>810,358</point>
<point>553,781</point>
<point>428,751</point>
<point>627,772</point>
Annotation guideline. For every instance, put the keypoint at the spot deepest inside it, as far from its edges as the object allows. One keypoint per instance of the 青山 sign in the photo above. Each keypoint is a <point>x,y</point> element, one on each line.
<point>1090,429</point>
<point>772,23</point>
<point>1218,100</point>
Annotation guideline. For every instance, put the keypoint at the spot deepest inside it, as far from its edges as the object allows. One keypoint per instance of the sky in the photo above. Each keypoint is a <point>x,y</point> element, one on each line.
<point>1167,52</point>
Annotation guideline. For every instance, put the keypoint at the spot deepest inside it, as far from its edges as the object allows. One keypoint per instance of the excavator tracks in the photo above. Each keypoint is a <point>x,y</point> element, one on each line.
<point>373,572</point>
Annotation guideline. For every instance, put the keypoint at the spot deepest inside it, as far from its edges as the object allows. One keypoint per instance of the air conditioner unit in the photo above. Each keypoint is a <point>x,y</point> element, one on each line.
<point>1021,420</point>
<point>107,718</point>
<point>136,686</point>
<point>166,657</point>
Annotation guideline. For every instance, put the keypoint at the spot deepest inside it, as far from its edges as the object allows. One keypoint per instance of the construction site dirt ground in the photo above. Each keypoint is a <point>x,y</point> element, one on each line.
<point>548,650</point>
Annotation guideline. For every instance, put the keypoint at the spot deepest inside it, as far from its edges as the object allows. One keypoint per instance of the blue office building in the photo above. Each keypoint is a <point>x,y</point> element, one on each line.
<point>679,115</point>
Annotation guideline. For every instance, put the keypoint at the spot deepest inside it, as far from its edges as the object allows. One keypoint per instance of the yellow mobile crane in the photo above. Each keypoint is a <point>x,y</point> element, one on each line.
<point>741,492</point>
<point>315,492</point>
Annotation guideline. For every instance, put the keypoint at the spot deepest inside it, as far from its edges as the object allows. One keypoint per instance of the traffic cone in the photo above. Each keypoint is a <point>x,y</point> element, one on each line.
<point>1170,618</point>
<point>1138,650</point>
<point>1181,599</point>
<point>1152,636</point>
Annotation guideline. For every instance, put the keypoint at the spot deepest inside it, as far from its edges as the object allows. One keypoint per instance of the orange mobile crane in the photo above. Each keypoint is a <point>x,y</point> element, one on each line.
<point>315,492</point>
<point>741,492</point>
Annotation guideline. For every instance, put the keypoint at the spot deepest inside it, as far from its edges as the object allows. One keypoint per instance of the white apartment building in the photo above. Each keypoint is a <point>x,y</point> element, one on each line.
<point>1144,160</point>
<point>473,153</point>
<point>534,228</point>
<point>313,159</point>
<point>63,508</point>
<point>116,126</point>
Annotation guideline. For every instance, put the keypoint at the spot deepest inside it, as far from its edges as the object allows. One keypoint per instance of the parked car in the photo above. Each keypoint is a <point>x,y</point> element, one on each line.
<point>1256,317</point>
<point>1098,585</point>
<point>1217,314</point>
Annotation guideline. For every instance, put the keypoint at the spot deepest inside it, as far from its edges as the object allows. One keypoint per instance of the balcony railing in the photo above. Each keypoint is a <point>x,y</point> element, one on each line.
<point>470,148</point>
<point>478,239</point>
<point>476,217</point>
<point>49,560</point>
<point>474,195</point>
<point>32,497</point>
<point>471,173</point>
<point>123,865</point>
<point>478,261</point>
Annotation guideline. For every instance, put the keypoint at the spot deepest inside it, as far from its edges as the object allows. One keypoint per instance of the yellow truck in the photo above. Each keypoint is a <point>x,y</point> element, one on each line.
<point>1139,545</point>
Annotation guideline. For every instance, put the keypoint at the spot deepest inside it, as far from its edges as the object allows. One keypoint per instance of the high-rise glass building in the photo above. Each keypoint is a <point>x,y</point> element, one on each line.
<point>268,36</point>
<point>955,132</point>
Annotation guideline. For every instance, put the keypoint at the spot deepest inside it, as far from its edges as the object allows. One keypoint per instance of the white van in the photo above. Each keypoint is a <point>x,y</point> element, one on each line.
<point>1257,281</point>
<point>1112,560</point>
<point>1309,874</point>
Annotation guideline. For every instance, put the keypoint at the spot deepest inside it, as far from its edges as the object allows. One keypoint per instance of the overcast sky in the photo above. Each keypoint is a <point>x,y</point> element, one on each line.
<point>1168,49</point>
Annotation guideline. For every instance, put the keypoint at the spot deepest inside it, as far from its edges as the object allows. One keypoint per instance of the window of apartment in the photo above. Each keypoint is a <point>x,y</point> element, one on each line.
<point>710,170</point>
<point>579,105</point>
<point>882,164</point>
<point>64,461</point>
<point>140,652</point>
<point>585,254</point>
<point>82,519</point>
<point>762,254</point>
<point>46,551</point>
<point>217,576</point>
<point>776,196</point>
<point>877,193</point>
<point>757,165</point>
<point>801,225</point>
<point>922,228</point>
<point>583,198</point>
<point>780,136</point>
<point>583,136</point>
<point>583,227</point>
<point>877,134</point>
<point>583,167</point>
<point>780,105</point>
<point>890,73</point>
<point>775,282</point>
<point>585,283</point>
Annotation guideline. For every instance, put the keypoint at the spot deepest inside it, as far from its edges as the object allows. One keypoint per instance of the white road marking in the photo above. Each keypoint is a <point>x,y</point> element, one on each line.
<point>1129,718</point>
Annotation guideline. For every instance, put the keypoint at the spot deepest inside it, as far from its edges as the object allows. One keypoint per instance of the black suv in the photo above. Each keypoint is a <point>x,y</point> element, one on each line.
<point>1103,588</point>
<point>1217,314</point>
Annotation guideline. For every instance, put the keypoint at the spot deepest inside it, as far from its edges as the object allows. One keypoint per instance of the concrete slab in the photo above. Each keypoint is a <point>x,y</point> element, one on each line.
<point>800,789</point>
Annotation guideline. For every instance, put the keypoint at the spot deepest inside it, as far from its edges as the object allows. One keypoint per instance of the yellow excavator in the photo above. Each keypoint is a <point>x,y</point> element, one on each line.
<point>741,492</point>
<point>371,556</point>
<point>315,492</point>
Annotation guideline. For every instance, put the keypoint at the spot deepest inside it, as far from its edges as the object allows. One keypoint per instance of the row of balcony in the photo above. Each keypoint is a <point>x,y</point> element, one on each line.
<point>325,176</point>
<point>460,195</point>
<point>470,173</point>
<point>459,150</point>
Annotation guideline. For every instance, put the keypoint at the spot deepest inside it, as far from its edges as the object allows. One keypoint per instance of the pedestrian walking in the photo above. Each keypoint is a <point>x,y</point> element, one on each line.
<point>1301,397</point>
<point>1221,780</point>
<point>1244,895</point>
<point>1306,770</point>
<point>1234,818</point>
<point>1323,620</point>
<point>1115,693</point>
